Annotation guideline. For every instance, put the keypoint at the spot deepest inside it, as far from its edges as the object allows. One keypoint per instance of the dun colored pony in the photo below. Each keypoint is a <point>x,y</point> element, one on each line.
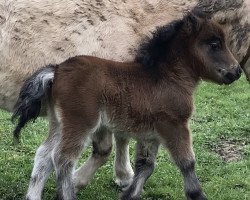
<point>150,100</point>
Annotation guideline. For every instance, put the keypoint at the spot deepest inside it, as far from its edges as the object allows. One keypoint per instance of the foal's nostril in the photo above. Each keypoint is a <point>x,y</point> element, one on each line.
<point>238,71</point>
<point>230,76</point>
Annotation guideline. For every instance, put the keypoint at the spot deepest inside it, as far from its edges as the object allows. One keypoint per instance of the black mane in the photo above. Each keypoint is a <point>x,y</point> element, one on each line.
<point>153,50</point>
<point>157,49</point>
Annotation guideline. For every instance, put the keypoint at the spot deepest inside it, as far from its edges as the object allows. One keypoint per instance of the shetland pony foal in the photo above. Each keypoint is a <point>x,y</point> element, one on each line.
<point>149,100</point>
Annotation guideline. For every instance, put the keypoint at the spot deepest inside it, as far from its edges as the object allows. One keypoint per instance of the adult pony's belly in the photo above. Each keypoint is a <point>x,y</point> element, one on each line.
<point>36,33</point>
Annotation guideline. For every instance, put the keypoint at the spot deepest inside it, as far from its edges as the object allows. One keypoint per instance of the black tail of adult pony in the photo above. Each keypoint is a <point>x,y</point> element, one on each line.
<point>28,105</point>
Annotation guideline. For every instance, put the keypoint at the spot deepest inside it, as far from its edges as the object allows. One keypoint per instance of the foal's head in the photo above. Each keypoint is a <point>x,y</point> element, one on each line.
<point>209,52</point>
<point>195,41</point>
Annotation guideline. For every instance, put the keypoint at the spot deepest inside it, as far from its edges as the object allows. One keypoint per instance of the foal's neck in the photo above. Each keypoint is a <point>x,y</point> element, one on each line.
<point>182,76</point>
<point>174,67</point>
<point>176,75</point>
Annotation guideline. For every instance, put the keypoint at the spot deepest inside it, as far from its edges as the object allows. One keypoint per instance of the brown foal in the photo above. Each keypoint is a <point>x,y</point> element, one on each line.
<point>150,100</point>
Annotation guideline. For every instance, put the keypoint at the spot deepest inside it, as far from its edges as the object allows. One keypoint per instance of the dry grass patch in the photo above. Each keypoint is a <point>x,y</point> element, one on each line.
<point>229,149</point>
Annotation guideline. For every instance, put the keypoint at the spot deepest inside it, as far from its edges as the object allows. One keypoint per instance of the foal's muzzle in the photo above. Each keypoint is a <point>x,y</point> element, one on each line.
<point>231,74</point>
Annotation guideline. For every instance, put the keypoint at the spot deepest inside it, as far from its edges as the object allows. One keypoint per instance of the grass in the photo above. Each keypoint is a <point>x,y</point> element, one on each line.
<point>222,114</point>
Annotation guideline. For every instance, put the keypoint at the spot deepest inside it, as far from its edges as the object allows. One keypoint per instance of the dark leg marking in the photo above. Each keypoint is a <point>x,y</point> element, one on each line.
<point>144,166</point>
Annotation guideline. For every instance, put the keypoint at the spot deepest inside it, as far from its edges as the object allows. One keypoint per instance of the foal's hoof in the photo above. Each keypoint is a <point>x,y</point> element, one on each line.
<point>196,195</point>
<point>123,184</point>
<point>125,196</point>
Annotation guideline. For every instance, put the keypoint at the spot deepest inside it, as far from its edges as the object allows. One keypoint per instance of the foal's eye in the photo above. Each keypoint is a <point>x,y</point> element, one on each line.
<point>215,45</point>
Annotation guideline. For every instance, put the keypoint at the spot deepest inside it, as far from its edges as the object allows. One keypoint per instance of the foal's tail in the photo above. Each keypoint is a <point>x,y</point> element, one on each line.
<point>28,105</point>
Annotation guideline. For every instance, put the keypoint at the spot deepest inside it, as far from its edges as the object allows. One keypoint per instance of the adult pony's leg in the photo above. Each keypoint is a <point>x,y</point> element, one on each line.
<point>146,152</point>
<point>123,169</point>
<point>43,163</point>
<point>177,139</point>
<point>102,146</point>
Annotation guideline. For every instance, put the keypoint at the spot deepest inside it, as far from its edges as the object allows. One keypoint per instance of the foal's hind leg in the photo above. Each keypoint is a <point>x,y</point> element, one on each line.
<point>43,164</point>
<point>178,141</point>
<point>73,139</point>
<point>146,152</point>
<point>123,169</point>
<point>102,146</point>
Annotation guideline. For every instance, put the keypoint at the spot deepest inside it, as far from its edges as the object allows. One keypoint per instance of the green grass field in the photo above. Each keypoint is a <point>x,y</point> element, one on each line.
<point>221,135</point>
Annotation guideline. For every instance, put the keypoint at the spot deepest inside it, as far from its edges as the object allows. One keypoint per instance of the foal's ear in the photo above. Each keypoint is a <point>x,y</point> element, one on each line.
<point>191,24</point>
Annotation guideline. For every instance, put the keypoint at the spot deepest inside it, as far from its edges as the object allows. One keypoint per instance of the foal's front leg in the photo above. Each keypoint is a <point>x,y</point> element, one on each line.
<point>146,152</point>
<point>177,139</point>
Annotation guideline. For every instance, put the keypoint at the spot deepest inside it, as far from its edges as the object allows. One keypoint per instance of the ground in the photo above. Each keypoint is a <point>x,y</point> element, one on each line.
<point>220,126</point>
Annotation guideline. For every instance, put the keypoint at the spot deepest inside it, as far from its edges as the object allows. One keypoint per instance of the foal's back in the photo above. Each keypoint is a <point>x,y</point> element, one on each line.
<point>86,75</point>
